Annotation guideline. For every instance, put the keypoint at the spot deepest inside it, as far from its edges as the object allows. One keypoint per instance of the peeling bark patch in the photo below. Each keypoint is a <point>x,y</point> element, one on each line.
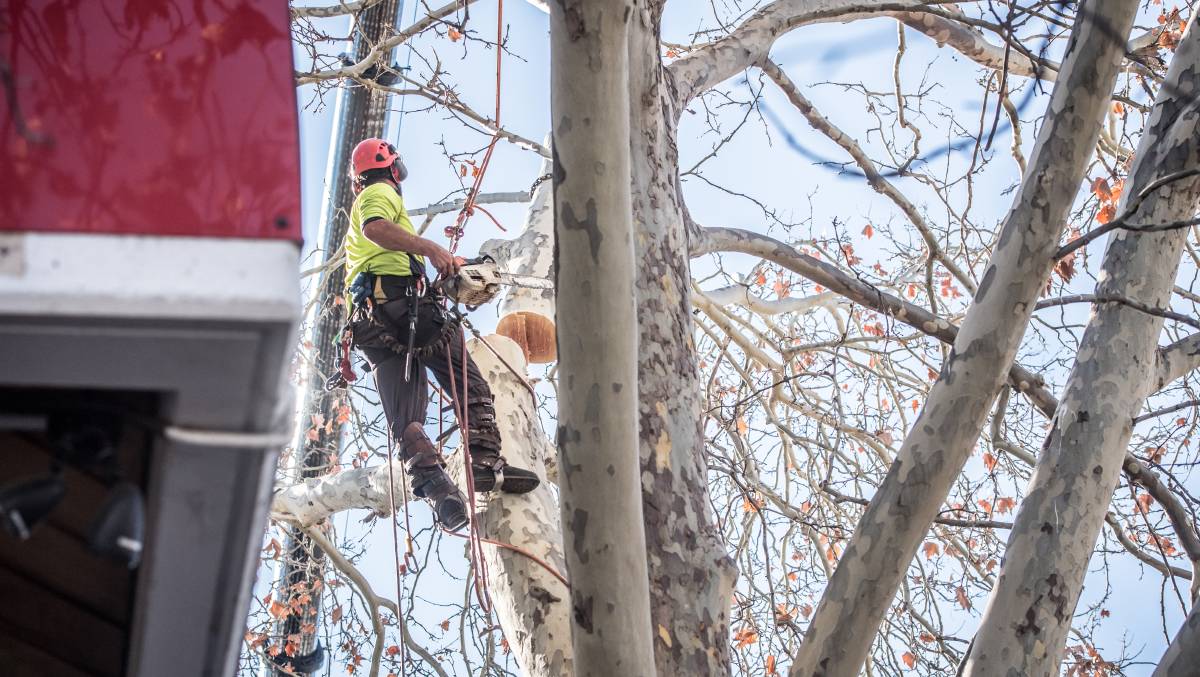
<point>589,224</point>
<point>1057,595</point>
<point>579,528</point>
<point>1029,625</point>
<point>543,595</point>
<point>583,614</point>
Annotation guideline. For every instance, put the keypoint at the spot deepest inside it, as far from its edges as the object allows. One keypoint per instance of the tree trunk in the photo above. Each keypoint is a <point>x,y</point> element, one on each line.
<point>691,574</point>
<point>530,601</point>
<point>1183,655</point>
<point>1030,610</point>
<point>600,500</point>
<point>527,315</point>
<point>844,626</point>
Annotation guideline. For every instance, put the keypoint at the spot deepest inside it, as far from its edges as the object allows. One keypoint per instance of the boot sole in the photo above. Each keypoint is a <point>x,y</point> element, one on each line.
<point>511,485</point>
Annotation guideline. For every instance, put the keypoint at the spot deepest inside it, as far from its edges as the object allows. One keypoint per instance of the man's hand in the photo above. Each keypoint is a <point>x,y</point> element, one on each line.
<point>446,263</point>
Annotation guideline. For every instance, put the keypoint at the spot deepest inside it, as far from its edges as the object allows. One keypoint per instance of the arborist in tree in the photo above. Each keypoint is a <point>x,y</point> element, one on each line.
<point>399,324</point>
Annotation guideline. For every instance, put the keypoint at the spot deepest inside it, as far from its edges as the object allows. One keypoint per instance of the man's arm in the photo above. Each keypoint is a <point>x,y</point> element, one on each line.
<point>391,236</point>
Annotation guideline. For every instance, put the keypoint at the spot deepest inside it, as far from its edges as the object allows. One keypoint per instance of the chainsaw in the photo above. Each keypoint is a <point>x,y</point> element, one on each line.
<point>479,281</point>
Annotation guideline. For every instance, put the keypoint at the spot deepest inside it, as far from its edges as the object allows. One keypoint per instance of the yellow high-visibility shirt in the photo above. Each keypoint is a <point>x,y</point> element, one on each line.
<point>383,201</point>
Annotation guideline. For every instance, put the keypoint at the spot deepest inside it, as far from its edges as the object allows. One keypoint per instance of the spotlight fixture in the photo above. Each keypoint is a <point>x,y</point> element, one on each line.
<point>119,527</point>
<point>25,504</point>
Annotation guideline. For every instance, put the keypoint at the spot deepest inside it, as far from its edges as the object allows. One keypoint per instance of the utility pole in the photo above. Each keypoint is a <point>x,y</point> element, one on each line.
<point>360,113</point>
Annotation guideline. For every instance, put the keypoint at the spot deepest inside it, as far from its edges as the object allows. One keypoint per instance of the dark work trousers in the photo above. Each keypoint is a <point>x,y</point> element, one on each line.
<point>383,340</point>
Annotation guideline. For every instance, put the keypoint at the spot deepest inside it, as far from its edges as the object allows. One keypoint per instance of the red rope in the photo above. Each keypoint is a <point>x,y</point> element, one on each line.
<point>458,399</point>
<point>523,552</point>
<point>455,232</point>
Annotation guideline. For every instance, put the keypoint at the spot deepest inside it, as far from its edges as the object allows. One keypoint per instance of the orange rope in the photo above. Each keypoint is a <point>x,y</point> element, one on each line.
<point>521,551</point>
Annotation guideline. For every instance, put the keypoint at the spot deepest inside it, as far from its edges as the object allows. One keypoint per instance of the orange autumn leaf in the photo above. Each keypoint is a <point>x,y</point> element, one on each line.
<point>392,650</point>
<point>742,426</point>
<point>454,34</point>
<point>1101,189</point>
<point>909,659</point>
<point>963,600</point>
<point>989,461</point>
<point>868,231</point>
<point>832,553</point>
<point>915,406</point>
<point>444,625</point>
<point>806,610</point>
<point>1144,501</point>
<point>930,549</point>
<point>1005,504</point>
<point>744,637</point>
<point>771,665</point>
<point>1107,213</point>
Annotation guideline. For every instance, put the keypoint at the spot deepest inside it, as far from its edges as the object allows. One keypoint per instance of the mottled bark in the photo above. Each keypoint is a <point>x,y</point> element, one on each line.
<point>530,602</point>
<point>944,435</point>
<point>600,494</point>
<point>1029,613</point>
<point>1183,655</point>
<point>691,574</point>
<point>527,314</point>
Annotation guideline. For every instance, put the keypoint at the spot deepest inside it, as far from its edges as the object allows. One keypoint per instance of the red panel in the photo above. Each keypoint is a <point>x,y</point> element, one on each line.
<point>170,117</point>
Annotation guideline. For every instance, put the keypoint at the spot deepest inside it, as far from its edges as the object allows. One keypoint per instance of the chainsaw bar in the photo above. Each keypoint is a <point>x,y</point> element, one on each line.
<point>478,282</point>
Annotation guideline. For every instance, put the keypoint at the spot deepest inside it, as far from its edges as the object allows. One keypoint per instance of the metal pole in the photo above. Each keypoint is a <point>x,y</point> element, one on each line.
<point>362,113</point>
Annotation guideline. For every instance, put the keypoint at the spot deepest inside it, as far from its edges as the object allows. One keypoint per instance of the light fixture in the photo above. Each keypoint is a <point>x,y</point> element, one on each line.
<point>25,504</point>
<point>119,527</point>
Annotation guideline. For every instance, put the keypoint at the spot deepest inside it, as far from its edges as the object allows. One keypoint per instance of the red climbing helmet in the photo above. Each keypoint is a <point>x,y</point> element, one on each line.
<point>376,154</point>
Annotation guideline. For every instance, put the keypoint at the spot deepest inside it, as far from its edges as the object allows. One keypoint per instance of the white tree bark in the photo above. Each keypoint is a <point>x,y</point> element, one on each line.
<point>530,602</point>
<point>1030,610</point>
<point>942,438</point>
<point>600,492</point>
<point>1183,655</point>
<point>527,314</point>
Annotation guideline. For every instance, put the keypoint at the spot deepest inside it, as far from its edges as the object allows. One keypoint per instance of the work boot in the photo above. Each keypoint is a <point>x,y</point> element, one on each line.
<point>488,468</point>
<point>429,478</point>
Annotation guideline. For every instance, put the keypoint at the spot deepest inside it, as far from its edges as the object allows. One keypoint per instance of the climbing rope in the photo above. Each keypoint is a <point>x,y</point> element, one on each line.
<point>455,231</point>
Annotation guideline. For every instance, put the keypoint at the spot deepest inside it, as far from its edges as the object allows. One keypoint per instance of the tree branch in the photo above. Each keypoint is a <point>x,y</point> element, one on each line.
<point>384,47</point>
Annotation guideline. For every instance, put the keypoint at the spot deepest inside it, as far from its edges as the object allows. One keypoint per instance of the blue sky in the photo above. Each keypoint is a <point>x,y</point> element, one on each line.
<point>760,164</point>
